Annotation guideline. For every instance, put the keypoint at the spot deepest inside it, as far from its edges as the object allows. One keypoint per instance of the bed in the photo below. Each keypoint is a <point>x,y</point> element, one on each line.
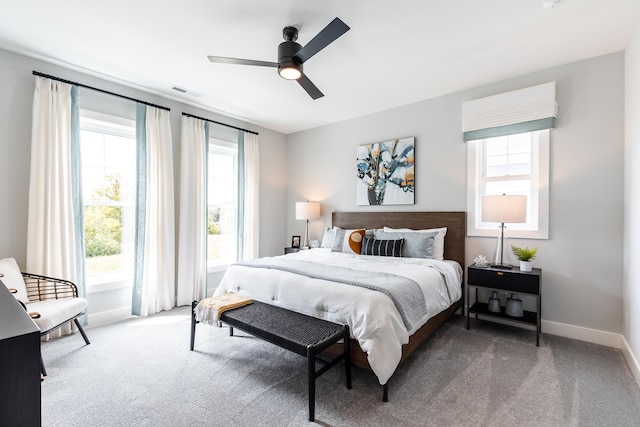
<point>320,297</point>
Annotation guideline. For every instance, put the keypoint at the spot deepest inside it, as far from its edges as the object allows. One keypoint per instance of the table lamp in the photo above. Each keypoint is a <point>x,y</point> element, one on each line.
<point>306,211</point>
<point>503,209</point>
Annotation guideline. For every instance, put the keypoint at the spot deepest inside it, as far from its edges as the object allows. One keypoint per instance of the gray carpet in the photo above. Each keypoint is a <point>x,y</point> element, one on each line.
<point>141,373</point>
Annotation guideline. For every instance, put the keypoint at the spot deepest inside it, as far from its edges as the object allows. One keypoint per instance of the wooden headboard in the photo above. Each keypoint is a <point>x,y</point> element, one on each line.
<point>456,223</point>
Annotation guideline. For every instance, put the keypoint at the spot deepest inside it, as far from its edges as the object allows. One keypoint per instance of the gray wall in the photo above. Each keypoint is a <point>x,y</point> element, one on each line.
<point>582,260</point>
<point>16,89</point>
<point>632,203</point>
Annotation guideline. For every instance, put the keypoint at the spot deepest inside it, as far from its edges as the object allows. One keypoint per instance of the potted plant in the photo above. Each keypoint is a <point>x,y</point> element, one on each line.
<point>525,256</point>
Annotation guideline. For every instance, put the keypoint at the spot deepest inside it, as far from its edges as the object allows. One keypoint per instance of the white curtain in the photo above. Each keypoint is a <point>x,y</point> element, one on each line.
<point>155,275</point>
<point>251,196</point>
<point>192,245</point>
<point>52,234</point>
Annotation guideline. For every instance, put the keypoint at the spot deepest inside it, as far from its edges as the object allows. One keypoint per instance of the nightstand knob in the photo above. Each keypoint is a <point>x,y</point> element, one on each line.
<point>500,273</point>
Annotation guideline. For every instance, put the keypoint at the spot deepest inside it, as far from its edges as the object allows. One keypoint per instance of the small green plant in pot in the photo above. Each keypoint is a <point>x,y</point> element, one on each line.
<point>525,256</point>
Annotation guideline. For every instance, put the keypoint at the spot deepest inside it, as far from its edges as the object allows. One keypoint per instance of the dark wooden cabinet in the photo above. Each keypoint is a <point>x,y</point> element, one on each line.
<point>19,364</point>
<point>515,281</point>
<point>291,250</point>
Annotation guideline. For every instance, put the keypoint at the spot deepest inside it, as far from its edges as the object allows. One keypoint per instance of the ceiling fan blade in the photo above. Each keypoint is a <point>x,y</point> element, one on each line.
<point>324,38</point>
<point>308,86</point>
<point>238,61</point>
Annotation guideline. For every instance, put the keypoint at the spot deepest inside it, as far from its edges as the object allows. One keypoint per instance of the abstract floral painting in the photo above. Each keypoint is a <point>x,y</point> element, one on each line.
<point>386,173</point>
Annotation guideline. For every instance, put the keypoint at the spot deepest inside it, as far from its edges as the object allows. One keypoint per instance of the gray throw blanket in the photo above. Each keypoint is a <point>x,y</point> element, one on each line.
<point>405,293</point>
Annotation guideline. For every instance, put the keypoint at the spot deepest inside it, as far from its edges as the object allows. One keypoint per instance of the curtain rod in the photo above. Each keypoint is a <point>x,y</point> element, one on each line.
<point>36,73</point>
<point>218,123</point>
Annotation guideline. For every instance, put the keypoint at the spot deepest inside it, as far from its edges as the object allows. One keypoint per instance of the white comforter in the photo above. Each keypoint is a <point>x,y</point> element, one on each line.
<point>372,316</point>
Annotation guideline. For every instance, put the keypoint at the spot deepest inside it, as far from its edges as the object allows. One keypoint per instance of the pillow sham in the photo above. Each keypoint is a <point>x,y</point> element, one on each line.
<point>370,232</point>
<point>438,242</point>
<point>328,238</point>
<point>12,278</point>
<point>416,245</point>
<point>382,247</point>
<point>348,241</point>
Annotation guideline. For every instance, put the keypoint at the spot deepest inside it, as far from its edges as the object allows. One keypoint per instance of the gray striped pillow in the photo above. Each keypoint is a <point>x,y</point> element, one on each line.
<point>382,247</point>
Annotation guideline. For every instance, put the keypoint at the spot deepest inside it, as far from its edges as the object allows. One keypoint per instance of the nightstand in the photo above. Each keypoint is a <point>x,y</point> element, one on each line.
<point>291,250</point>
<point>516,281</point>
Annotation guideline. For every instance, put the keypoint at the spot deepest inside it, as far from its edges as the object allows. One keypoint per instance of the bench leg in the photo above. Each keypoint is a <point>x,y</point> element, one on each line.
<point>84,335</point>
<point>311,373</point>
<point>193,323</point>
<point>347,356</point>
<point>385,392</point>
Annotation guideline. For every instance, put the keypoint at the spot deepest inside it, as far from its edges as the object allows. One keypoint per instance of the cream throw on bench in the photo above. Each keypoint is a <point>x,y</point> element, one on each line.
<point>209,310</point>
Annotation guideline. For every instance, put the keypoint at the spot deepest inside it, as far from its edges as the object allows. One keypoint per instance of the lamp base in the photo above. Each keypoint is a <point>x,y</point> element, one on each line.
<point>305,241</point>
<point>502,255</point>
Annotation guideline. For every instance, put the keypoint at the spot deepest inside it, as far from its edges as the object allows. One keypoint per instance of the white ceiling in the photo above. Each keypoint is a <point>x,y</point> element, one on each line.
<point>397,52</point>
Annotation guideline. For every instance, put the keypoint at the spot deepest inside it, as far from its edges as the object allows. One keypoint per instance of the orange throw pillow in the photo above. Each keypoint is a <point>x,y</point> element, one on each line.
<point>354,240</point>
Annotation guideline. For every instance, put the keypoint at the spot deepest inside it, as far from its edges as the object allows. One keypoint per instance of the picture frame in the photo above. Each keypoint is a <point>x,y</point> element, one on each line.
<point>295,241</point>
<point>386,173</point>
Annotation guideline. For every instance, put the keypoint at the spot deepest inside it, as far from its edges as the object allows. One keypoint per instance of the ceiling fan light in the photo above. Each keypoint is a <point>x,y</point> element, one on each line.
<point>290,72</point>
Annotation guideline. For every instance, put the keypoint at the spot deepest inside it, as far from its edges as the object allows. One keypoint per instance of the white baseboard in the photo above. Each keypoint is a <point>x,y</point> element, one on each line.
<point>109,316</point>
<point>594,336</point>
<point>631,359</point>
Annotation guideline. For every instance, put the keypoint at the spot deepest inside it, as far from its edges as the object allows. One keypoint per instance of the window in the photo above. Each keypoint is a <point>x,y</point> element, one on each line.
<point>108,149</point>
<point>222,202</point>
<point>515,165</point>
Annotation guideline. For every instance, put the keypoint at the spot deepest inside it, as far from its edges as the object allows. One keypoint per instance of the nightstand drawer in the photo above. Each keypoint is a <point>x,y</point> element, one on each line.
<point>508,280</point>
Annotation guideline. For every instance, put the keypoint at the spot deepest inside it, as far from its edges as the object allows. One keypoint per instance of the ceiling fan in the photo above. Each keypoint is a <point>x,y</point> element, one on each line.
<point>292,55</point>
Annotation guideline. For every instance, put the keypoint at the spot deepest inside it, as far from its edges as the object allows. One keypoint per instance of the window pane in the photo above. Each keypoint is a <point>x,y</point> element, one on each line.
<point>510,187</point>
<point>222,235</point>
<point>222,189</point>
<point>108,184</point>
<point>108,246</point>
<point>221,182</point>
<point>508,155</point>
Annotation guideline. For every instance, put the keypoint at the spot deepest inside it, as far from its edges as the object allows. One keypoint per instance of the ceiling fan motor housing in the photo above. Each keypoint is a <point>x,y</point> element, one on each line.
<point>286,55</point>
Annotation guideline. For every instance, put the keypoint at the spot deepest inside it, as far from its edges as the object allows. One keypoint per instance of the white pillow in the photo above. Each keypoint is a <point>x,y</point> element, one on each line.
<point>328,237</point>
<point>13,278</point>
<point>438,242</point>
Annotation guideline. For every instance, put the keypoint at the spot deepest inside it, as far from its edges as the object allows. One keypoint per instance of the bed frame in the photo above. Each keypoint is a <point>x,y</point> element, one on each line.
<point>454,249</point>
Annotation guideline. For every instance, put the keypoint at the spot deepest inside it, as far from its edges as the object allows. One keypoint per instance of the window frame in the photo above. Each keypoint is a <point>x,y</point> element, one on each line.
<point>537,205</point>
<point>229,148</point>
<point>118,126</point>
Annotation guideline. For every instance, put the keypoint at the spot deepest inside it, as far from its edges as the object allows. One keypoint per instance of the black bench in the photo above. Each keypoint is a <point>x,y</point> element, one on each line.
<point>302,334</point>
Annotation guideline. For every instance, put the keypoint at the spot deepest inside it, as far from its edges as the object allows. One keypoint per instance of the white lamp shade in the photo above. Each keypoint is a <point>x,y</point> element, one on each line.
<point>503,208</point>
<point>307,210</point>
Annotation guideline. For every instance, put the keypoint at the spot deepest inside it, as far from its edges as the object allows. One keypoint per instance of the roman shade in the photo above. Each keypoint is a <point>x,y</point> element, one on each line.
<point>524,110</point>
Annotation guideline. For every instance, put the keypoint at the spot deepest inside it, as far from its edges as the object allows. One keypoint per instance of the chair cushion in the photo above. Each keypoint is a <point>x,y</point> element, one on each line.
<point>56,311</point>
<point>13,278</point>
